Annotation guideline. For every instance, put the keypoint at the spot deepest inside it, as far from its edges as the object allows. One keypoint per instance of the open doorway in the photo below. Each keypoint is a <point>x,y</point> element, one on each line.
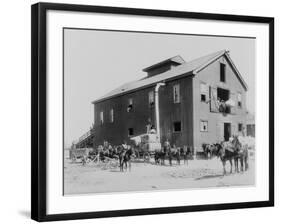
<point>227,131</point>
<point>223,94</point>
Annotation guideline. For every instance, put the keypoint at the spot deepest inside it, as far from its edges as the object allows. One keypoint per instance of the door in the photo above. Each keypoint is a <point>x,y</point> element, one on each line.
<point>227,131</point>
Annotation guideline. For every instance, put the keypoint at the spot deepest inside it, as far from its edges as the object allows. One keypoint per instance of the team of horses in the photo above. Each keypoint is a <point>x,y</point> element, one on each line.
<point>231,151</point>
<point>228,151</point>
<point>124,153</point>
<point>171,153</point>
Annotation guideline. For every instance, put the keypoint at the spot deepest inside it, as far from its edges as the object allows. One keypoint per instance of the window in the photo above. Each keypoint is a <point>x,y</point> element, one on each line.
<point>130,131</point>
<point>222,94</point>
<point>222,72</point>
<point>240,127</point>
<point>239,99</point>
<point>177,126</point>
<point>111,115</point>
<point>204,126</point>
<point>176,91</point>
<point>151,98</point>
<point>223,97</point>
<point>203,92</point>
<point>101,117</point>
<point>130,105</point>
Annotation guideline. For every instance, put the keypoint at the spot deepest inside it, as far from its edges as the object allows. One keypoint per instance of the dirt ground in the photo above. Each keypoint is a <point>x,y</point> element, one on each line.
<point>102,178</point>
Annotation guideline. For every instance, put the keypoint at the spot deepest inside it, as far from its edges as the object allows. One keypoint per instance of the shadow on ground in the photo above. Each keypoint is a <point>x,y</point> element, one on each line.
<point>209,176</point>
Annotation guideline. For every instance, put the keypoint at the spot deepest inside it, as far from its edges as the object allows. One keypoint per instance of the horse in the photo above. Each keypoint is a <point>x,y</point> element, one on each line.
<point>242,155</point>
<point>186,151</point>
<point>174,152</point>
<point>160,155</point>
<point>225,152</point>
<point>125,155</point>
<point>208,150</point>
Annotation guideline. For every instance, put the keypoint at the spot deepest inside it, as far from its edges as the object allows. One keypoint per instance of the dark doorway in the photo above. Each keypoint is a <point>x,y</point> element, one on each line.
<point>227,131</point>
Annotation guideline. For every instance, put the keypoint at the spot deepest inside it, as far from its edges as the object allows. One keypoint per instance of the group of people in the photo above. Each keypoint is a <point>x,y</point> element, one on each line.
<point>122,152</point>
<point>168,151</point>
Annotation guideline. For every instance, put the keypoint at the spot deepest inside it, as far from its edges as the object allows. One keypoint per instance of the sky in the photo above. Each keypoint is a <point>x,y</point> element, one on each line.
<point>96,62</point>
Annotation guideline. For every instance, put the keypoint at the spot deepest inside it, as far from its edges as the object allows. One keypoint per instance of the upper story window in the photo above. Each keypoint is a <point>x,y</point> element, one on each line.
<point>111,115</point>
<point>239,100</point>
<point>240,126</point>
<point>151,98</point>
<point>203,126</point>
<point>101,117</point>
<point>130,105</point>
<point>222,72</point>
<point>177,126</point>
<point>130,131</point>
<point>203,92</point>
<point>176,93</point>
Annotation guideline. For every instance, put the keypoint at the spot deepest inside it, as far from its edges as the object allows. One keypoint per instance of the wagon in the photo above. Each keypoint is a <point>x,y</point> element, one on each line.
<point>79,154</point>
<point>147,145</point>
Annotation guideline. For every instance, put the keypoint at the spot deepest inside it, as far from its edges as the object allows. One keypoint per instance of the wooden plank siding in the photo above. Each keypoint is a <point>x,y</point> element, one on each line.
<point>190,111</point>
<point>170,112</point>
<point>211,76</point>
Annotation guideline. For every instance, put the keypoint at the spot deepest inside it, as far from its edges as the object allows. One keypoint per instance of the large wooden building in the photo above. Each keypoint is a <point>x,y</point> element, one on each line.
<point>201,101</point>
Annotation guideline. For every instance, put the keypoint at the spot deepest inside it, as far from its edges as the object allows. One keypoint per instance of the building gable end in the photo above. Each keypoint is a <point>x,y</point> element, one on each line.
<point>231,65</point>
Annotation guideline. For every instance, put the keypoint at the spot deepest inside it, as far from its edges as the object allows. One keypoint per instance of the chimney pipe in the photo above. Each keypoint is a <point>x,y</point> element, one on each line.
<point>157,115</point>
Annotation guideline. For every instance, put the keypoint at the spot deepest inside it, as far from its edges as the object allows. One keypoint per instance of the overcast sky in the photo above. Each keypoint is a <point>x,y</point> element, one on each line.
<point>95,62</point>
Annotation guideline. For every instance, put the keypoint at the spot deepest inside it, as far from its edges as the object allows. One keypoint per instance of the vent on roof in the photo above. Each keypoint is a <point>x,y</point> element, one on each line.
<point>163,66</point>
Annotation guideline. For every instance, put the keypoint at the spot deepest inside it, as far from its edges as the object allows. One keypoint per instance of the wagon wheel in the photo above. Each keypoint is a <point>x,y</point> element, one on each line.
<point>146,157</point>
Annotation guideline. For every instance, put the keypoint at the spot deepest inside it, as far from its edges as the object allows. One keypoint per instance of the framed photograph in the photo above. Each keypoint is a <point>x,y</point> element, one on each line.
<point>141,111</point>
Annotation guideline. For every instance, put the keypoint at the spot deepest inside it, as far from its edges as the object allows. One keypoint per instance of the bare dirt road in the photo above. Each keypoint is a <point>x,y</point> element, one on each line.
<point>93,178</point>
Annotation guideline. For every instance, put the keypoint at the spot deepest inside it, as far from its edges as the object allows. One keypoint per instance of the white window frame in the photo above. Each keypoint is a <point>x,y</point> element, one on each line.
<point>202,122</point>
<point>151,97</point>
<point>176,93</point>
<point>101,117</point>
<point>239,100</point>
<point>204,92</point>
<point>111,115</point>
<point>130,102</point>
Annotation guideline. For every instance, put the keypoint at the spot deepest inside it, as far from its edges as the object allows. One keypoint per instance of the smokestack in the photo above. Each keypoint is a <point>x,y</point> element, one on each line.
<point>157,115</point>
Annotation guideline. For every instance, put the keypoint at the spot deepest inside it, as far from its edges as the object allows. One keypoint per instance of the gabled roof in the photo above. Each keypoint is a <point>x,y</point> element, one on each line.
<point>177,59</point>
<point>186,68</point>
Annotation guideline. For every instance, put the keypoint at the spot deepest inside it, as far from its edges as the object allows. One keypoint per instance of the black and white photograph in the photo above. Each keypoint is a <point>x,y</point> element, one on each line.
<point>141,111</point>
<point>147,111</point>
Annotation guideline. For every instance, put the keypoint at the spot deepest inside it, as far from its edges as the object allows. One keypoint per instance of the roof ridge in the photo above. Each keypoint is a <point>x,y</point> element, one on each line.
<point>185,68</point>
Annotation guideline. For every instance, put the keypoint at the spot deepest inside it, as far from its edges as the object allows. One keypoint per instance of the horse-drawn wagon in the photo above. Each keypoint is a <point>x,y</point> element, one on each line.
<point>146,145</point>
<point>79,154</point>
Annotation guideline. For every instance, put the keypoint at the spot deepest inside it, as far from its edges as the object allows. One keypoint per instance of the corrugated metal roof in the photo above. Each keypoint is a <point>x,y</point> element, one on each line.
<point>186,68</point>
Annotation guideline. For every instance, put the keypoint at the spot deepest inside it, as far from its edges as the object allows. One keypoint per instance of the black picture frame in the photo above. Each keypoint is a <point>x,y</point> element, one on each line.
<point>39,108</point>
